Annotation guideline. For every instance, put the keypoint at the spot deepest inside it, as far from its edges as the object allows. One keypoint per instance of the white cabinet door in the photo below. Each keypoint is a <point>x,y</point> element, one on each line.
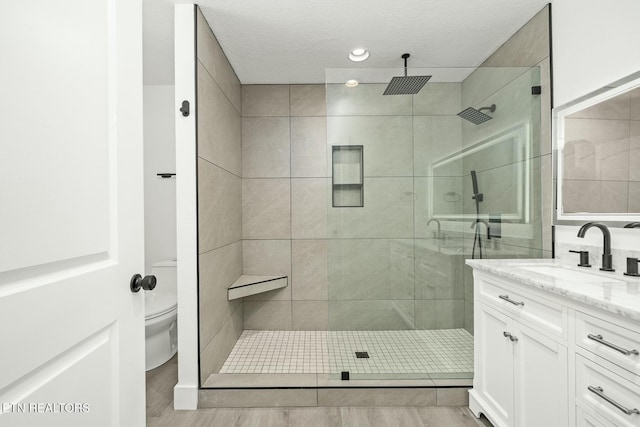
<point>71,213</point>
<point>495,361</point>
<point>540,372</point>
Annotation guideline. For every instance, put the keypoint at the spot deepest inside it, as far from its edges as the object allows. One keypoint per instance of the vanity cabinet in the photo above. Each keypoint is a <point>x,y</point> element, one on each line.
<point>543,358</point>
<point>520,372</point>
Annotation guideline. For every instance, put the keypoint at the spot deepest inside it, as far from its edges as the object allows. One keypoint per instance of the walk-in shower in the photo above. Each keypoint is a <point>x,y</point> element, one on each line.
<point>375,292</point>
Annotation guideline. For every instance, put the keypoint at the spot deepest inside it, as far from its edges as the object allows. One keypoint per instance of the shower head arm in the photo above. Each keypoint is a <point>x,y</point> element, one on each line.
<point>405,56</point>
<point>492,108</point>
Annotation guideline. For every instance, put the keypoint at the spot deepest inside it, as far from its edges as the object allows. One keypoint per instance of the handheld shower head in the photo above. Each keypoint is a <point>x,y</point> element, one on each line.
<point>477,116</point>
<point>406,85</point>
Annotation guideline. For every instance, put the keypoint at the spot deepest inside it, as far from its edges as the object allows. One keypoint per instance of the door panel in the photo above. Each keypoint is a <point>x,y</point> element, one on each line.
<point>541,386</point>
<point>496,355</point>
<point>71,220</point>
<point>55,136</point>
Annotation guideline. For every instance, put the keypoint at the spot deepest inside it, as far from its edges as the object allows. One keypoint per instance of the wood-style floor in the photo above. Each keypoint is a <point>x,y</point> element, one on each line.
<point>160,413</point>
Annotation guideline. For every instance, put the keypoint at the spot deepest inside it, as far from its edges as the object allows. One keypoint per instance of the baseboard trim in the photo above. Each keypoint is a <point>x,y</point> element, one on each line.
<point>185,397</point>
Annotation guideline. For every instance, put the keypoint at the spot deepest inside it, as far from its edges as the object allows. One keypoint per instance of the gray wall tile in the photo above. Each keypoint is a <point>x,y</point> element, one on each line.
<point>634,197</point>
<point>267,315</point>
<point>434,138</point>
<point>371,315</point>
<point>310,315</point>
<point>425,311</point>
<point>365,100</point>
<point>634,106</point>
<point>387,211</point>
<point>527,47</point>
<point>215,61</point>
<point>449,314</point>
<point>308,100</point>
<point>438,99</point>
<point>214,354</point>
<point>265,100</point>
<point>266,209</point>
<point>219,125</point>
<point>387,142</point>
<point>266,147</point>
<point>309,203</point>
<point>378,269</point>
<point>219,207</point>
<point>309,147</point>
<point>219,268</point>
<point>309,270</point>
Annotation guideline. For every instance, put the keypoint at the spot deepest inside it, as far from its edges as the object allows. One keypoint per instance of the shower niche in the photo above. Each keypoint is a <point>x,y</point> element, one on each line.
<point>347,176</point>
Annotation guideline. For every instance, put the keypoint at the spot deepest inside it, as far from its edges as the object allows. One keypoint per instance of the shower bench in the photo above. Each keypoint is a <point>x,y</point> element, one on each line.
<point>252,284</point>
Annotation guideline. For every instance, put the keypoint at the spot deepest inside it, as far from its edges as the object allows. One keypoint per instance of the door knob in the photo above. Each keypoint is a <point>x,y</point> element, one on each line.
<point>137,282</point>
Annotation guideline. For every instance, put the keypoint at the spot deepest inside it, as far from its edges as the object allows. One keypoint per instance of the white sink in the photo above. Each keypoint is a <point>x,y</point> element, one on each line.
<point>571,275</point>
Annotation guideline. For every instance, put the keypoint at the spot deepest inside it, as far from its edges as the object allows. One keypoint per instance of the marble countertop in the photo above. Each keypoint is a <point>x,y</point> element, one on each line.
<point>612,292</point>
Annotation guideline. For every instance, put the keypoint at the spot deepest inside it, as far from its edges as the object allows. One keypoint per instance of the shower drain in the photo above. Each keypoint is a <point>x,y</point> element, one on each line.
<point>362,355</point>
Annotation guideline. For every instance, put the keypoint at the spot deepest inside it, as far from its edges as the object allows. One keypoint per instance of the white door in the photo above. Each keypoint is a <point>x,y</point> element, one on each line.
<point>495,361</point>
<point>541,384</point>
<point>71,218</point>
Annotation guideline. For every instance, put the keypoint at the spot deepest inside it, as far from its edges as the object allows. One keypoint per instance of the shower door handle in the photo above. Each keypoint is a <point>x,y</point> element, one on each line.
<point>148,283</point>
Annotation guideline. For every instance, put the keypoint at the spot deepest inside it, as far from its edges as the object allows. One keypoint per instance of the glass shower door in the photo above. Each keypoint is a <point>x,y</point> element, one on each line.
<point>400,298</point>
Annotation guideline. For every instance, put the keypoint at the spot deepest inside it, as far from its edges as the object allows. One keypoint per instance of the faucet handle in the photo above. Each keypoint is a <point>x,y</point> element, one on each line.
<point>584,258</point>
<point>632,267</point>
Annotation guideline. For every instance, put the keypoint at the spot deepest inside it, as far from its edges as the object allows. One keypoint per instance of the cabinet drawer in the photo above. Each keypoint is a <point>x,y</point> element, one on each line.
<point>536,311</point>
<point>607,394</point>
<point>612,342</point>
<point>583,419</point>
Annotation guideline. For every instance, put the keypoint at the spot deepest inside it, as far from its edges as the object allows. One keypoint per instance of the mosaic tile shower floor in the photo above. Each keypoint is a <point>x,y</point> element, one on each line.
<point>444,352</point>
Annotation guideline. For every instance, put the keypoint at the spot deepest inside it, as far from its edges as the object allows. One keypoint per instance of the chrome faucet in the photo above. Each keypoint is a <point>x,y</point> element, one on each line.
<point>439,234</point>
<point>606,255</point>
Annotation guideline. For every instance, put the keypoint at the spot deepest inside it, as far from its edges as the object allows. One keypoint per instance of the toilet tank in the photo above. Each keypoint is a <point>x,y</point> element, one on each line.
<point>166,276</point>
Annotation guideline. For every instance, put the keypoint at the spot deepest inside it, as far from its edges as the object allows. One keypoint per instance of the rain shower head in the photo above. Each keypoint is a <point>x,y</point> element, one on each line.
<point>406,85</point>
<point>477,116</point>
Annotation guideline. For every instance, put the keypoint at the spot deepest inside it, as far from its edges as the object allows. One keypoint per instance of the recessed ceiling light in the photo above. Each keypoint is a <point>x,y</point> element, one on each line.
<point>351,83</point>
<point>358,54</point>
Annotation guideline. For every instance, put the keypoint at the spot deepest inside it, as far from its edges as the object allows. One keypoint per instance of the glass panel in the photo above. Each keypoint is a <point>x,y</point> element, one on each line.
<point>398,287</point>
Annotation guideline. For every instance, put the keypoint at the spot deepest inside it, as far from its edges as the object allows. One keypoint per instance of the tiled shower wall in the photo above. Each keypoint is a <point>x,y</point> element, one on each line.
<point>349,268</point>
<point>219,200</point>
<point>284,204</point>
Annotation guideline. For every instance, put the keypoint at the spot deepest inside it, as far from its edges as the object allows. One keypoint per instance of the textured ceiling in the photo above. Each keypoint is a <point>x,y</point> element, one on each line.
<point>295,41</point>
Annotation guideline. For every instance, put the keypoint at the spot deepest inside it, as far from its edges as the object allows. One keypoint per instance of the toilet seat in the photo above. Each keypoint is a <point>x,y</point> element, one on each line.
<point>157,305</point>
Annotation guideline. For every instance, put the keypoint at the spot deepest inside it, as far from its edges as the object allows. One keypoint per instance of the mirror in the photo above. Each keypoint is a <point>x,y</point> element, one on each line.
<point>598,156</point>
<point>501,163</point>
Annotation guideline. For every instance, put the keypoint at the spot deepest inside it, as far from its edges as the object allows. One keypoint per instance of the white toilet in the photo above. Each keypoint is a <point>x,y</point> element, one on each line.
<point>161,312</point>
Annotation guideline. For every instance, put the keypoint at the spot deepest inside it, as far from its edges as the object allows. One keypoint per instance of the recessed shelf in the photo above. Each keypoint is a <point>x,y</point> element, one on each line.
<point>250,285</point>
<point>347,176</point>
